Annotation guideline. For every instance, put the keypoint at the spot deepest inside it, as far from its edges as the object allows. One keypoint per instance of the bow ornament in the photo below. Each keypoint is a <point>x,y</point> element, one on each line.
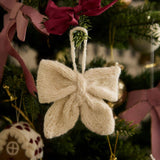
<point>17,20</point>
<point>77,94</point>
<point>60,18</point>
<point>140,103</point>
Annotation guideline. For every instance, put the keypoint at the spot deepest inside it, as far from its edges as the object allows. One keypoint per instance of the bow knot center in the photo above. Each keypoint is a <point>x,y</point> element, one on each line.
<point>81,87</point>
<point>77,9</point>
<point>15,10</point>
<point>153,96</point>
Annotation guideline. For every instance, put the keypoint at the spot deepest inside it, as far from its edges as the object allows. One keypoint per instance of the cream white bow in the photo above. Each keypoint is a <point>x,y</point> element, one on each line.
<point>77,94</point>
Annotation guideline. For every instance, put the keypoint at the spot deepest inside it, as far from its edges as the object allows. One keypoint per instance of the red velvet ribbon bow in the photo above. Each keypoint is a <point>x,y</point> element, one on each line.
<point>17,20</point>
<point>60,18</point>
<point>140,103</point>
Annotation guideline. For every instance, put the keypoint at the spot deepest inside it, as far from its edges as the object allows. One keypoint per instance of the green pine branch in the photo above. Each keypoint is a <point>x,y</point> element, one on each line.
<point>125,128</point>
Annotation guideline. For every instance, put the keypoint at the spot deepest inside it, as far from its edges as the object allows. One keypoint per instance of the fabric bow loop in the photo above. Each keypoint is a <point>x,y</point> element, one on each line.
<point>154,96</point>
<point>15,14</point>
<point>17,20</point>
<point>21,21</point>
<point>14,11</point>
<point>60,18</point>
<point>77,9</point>
<point>139,104</point>
<point>73,81</point>
<point>8,5</point>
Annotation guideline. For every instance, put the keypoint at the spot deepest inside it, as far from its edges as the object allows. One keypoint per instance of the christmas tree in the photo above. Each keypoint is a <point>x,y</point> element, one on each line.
<point>122,34</point>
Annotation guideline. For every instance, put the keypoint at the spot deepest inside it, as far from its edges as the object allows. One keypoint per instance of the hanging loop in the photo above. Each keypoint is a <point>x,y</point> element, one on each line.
<point>73,56</point>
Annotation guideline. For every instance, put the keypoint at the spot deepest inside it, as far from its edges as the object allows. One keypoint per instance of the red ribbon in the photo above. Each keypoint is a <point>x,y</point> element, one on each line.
<point>60,18</point>
<point>140,103</point>
<point>17,20</point>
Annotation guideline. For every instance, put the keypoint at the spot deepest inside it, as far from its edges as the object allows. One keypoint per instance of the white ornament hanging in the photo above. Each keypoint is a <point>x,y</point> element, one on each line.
<point>145,46</point>
<point>77,94</point>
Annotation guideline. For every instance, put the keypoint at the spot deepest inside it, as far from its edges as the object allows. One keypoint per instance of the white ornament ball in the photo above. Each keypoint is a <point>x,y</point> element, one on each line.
<point>145,46</point>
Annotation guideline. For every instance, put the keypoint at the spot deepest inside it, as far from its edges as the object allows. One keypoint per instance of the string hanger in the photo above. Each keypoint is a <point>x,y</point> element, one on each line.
<point>73,55</point>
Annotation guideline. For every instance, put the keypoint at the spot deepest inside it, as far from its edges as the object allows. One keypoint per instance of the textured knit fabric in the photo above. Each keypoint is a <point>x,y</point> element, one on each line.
<point>75,94</point>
